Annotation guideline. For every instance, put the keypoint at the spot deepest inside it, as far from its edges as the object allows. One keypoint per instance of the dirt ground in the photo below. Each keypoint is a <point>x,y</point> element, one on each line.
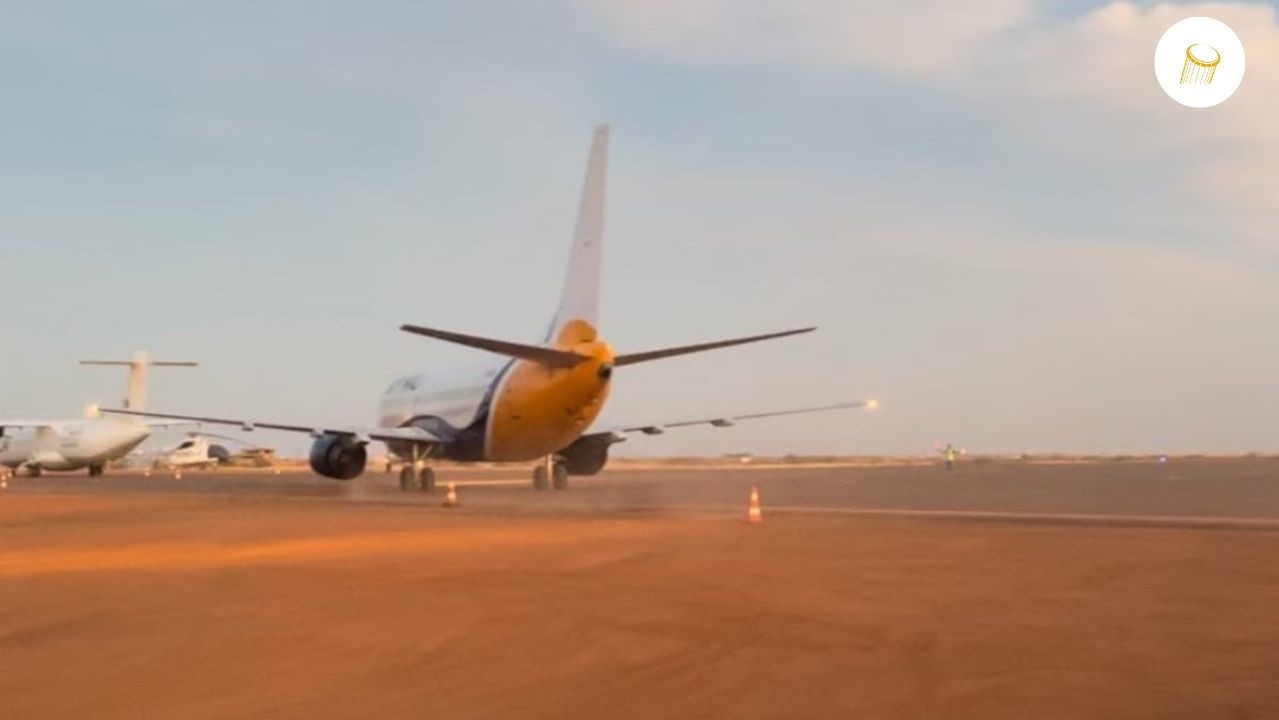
<point>228,605</point>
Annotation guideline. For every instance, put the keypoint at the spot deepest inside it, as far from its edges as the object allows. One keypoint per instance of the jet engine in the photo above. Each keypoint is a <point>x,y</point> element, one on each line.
<point>587,455</point>
<point>338,456</point>
<point>219,453</point>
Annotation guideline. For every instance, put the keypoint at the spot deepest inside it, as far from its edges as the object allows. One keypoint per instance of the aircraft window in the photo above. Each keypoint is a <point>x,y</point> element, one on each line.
<point>186,444</point>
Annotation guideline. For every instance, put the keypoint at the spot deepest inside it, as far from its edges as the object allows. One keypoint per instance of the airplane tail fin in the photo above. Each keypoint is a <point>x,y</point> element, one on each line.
<point>136,397</point>
<point>575,318</point>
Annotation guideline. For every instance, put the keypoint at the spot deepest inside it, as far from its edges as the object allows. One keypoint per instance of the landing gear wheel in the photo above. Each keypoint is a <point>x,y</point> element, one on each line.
<point>96,470</point>
<point>426,480</point>
<point>34,471</point>
<point>407,481</point>
<point>539,477</point>
<point>559,476</point>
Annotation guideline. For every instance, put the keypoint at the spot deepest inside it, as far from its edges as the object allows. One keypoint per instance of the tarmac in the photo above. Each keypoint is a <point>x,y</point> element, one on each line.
<point>1006,589</point>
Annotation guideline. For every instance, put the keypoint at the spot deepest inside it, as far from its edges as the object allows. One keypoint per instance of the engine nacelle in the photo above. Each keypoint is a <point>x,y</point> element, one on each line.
<point>339,457</point>
<point>219,453</point>
<point>587,455</point>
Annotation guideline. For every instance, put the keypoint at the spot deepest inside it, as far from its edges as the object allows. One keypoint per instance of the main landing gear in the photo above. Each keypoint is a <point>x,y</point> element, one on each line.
<point>416,475</point>
<point>96,470</point>
<point>551,471</point>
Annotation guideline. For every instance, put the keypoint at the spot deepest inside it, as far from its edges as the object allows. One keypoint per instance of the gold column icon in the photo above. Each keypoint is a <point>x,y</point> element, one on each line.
<point>1201,64</point>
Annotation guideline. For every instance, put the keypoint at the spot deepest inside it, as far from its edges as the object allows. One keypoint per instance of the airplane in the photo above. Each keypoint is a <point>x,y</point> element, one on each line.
<point>199,450</point>
<point>196,451</point>
<point>89,443</point>
<point>537,404</point>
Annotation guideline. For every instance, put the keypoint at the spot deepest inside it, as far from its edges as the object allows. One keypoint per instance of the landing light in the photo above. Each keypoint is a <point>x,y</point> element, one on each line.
<point>872,404</point>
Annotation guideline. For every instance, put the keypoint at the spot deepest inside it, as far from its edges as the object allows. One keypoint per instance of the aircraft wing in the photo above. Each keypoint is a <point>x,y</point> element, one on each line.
<point>5,423</point>
<point>150,422</point>
<point>163,423</point>
<point>730,420</point>
<point>364,433</point>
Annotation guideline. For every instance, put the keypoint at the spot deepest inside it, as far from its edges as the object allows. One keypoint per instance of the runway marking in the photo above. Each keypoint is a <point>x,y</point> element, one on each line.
<point>1205,521</point>
<point>207,555</point>
<point>1063,518</point>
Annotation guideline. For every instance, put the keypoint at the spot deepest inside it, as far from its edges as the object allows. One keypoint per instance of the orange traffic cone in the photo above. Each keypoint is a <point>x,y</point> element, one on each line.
<point>450,500</point>
<point>752,509</point>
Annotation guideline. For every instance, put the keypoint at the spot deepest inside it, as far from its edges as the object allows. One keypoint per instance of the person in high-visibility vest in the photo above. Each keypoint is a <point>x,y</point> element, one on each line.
<point>949,453</point>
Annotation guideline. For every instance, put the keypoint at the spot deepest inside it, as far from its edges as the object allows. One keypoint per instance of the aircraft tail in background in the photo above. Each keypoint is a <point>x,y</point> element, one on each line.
<point>136,397</point>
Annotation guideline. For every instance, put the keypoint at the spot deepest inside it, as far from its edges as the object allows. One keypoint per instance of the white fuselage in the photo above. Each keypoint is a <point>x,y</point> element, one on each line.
<point>455,399</point>
<point>70,444</point>
<point>190,452</point>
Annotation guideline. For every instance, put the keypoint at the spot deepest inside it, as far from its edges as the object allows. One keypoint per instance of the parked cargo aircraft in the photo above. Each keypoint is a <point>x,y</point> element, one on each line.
<point>76,444</point>
<point>538,404</point>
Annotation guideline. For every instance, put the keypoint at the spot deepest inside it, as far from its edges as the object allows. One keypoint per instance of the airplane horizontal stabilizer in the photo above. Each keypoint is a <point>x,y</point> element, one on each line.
<point>549,357</point>
<point>632,358</point>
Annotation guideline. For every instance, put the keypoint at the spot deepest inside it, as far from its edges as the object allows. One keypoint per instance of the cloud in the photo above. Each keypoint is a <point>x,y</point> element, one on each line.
<point>923,38</point>
<point>1081,87</point>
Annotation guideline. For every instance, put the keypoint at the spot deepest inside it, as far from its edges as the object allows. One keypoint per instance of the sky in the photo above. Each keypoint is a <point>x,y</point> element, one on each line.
<point>1005,231</point>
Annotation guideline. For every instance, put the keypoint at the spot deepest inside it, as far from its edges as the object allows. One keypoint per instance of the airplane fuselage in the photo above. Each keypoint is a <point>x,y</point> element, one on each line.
<point>519,411</point>
<point>70,445</point>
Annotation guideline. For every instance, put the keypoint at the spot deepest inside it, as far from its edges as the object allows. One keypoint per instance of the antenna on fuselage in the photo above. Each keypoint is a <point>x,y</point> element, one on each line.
<point>136,393</point>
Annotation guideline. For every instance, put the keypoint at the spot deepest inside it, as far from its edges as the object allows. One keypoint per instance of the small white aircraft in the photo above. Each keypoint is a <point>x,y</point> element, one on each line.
<point>196,451</point>
<point>537,404</point>
<point>75,444</point>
